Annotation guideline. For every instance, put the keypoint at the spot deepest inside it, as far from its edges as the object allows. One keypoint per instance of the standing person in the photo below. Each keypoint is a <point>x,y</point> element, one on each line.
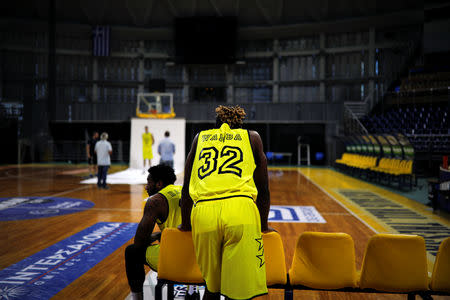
<point>91,155</point>
<point>166,149</point>
<point>226,179</point>
<point>162,208</point>
<point>147,143</point>
<point>104,150</point>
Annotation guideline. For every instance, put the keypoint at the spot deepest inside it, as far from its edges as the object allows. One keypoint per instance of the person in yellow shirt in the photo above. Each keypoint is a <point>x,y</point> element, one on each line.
<point>225,197</point>
<point>147,143</point>
<point>163,208</point>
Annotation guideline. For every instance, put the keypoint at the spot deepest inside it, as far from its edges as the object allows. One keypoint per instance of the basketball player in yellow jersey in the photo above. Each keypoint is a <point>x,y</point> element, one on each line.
<point>163,208</point>
<point>147,143</point>
<point>227,183</point>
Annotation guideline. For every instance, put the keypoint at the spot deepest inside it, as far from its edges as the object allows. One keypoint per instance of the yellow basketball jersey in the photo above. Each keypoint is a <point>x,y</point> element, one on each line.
<point>147,139</point>
<point>223,165</point>
<point>173,195</point>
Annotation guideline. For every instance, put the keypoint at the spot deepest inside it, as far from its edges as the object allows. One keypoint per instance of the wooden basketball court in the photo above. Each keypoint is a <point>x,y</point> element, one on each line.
<point>336,197</point>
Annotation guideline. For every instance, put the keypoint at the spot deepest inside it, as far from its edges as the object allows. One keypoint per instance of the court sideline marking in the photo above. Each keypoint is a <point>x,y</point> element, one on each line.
<point>337,201</point>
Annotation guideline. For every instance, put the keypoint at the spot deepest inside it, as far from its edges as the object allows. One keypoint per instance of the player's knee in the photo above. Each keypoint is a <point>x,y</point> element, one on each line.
<point>131,252</point>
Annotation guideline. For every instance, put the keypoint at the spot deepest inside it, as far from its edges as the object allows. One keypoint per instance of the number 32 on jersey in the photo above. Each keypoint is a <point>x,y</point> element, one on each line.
<point>210,155</point>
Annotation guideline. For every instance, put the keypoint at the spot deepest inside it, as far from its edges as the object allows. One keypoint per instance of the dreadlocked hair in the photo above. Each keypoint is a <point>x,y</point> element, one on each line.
<point>232,115</point>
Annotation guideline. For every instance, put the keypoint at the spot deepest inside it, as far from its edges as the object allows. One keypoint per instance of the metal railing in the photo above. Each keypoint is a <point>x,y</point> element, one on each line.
<point>352,125</point>
<point>69,151</point>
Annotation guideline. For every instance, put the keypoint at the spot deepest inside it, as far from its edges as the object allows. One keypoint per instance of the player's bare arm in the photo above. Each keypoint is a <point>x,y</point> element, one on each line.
<point>186,201</point>
<point>155,208</point>
<point>261,180</point>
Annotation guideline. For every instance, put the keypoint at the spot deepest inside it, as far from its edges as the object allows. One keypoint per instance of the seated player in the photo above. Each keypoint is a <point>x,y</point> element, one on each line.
<point>162,208</point>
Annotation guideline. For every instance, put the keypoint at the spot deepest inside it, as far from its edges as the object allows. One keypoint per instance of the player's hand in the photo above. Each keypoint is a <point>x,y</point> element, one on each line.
<point>183,228</point>
<point>155,236</point>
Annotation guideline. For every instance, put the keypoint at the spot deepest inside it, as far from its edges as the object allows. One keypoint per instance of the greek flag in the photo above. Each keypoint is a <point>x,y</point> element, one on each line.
<point>100,40</point>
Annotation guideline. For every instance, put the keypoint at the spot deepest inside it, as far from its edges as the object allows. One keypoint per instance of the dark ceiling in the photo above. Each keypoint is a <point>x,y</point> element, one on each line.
<point>161,13</point>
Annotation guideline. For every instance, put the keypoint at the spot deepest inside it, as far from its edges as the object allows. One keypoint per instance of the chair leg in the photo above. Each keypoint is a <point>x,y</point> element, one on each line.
<point>411,296</point>
<point>426,296</point>
<point>158,291</point>
<point>170,291</point>
<point>288,293</point>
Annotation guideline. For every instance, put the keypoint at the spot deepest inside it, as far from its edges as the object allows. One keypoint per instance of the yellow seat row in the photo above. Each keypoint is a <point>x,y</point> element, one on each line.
<point>357,161</point>
<point>392,169</point>
<point>386,169</point>
<point>394,166</point>
<point>393,263</point>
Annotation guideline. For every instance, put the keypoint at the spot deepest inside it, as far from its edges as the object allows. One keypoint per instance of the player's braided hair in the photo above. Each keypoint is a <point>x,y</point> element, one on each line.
<point>232,115</point>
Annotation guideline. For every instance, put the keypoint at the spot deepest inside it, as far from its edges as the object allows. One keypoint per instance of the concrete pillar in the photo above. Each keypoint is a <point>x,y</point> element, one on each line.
<point>276,73</point>
<point>141,66</point>
<point>230,86</point>
<point>322,62</point>
<point>1,85</point>
<point>95,95</point>
<point>295,73</point>
<point>95,79</point>
<point>185,85</point>
<point>51,71</point>
<point>371,66</point>
<point>371,92</point>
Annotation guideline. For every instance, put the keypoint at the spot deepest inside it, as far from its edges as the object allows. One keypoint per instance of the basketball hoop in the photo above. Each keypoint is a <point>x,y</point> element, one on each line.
<point>155,105</point>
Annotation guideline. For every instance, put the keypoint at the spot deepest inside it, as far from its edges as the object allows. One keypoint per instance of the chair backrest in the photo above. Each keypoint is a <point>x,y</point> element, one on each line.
<point>383,163</point>
<point>324,261</point>
<point>395,263</point>
<point>177,260</point>
<point>440,279</point>
<point>274,259</point>
<point>409,166</point>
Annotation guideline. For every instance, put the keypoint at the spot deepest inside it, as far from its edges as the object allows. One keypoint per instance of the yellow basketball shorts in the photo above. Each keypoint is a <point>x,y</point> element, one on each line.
<point>152,255</point>
<point>147,152</point>
<point>229,247</point>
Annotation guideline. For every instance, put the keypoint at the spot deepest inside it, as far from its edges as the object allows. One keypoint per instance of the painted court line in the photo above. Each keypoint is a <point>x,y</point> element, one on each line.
<point>337,201</point>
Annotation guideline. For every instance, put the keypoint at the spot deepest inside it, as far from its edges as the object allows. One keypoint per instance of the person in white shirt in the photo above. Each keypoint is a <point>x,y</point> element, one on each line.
<point>103,149</point>
<point>166,150</point>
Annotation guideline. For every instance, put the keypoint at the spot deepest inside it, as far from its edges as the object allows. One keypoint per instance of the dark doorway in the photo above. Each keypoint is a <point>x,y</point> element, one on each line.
<point>209,94</point>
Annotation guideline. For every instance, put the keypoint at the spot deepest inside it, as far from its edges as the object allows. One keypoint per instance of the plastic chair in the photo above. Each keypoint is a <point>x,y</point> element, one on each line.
<point>324,261</point>
<point>274,260</point>
<point>178,265</point>
<point>177,262</point>
<point>395,263</point>
<point>440,279</point>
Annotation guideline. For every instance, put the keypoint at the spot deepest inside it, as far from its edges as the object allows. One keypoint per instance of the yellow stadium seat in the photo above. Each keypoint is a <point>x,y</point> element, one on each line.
<point>324,261</point>
<point>395,263</point>
<point>440,279</point>
<point>274,258</point>
<point>177,262</point>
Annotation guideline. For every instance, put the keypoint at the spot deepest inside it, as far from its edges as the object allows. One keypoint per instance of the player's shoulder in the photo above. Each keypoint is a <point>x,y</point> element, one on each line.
<point>253,134</point>
<point>255,140</point>
<point>156,200</point>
